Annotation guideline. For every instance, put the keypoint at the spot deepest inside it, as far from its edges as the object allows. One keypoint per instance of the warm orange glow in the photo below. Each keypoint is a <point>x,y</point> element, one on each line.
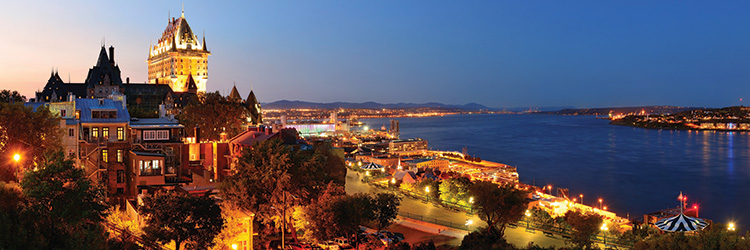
<point>16,157</point>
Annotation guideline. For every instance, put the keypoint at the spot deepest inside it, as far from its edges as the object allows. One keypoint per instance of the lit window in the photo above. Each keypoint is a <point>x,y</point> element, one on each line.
<point>62,113</point>
<point>95,132</point>
<point>120,133</point>
<point>105,155</point>
<point>120,155</point>
<point>150,167</point>
<point>105,133</point>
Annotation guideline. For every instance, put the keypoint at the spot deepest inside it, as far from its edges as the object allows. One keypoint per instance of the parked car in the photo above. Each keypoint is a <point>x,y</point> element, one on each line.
<point>384,238</point>
<point>343,243</point>
<point>395,237</point>
<point>329,245</point>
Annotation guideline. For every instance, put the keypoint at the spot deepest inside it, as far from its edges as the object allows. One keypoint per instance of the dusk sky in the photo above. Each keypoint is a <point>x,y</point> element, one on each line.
<point>496,53</point>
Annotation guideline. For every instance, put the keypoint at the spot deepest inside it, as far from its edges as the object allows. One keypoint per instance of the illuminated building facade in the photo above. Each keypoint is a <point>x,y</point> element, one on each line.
<point>177,55</point>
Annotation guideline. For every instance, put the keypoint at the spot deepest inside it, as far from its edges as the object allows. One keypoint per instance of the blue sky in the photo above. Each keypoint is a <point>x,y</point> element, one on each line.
<point>497,53</point>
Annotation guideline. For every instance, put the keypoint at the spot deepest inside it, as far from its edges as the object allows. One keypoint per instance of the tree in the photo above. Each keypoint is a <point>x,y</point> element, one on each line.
<point>66,206</point>
<point>214,114</point>
<point>30,134</point>
<point>11,97</point>
<point>385,209</point>
<point>182,218</point>
<point>455,190</point>
<point>584,226</point>
<point>271,178</point>
<point>498,205</point>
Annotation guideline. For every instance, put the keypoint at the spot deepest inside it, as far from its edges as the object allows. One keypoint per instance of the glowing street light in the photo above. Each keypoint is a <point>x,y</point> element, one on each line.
<point>234,246</point>
<point>600,202</point>
<point>730,227</point>
<point>17,157</point>
<point>604,229</point>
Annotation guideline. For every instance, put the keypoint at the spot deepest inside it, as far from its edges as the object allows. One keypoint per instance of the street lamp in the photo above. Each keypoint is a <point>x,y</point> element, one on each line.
<point>600,203</point>
<point>695,206</point>
<point>730,227</point>
<point>234,246</point>
<point>581,195</point>
<point>427,190</point>
<point>471,205</point>
<point>604,229</point>
<point>468,223</point>
<point>549,187</point>
<point>528,218</point>
<point>17,159</point>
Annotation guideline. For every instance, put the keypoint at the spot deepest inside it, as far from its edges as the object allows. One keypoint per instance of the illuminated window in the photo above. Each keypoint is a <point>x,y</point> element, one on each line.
<point>120,155</point>
<point>105,155</point>
<point>105,133</point>
<point>149,167</point>
<point>78,114</point>
<point>95,132</point>
<point>120,133</point>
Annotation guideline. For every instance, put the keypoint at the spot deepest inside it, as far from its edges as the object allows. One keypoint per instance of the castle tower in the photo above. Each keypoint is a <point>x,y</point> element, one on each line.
<point>179,54</point>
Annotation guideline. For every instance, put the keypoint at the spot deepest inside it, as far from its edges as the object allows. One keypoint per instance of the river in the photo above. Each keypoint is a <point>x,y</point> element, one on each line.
<point>634,170</point>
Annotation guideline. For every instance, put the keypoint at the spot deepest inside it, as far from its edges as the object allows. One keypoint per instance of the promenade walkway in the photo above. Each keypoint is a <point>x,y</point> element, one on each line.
<point>430,218</point>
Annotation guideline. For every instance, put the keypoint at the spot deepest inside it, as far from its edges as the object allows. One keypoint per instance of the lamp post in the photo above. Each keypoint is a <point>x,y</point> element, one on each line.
<point>468,223</point>
<point>696,210</point>
<point>549,188</point>
<point>604,229</point>
<point>581,195</point>
<point>730,227</point>
<point>600,203</point>
<point>393,184</point>
<point>427,190</point>
<point>528,218</point>
<point>471,205</point>
<point>17,159</point>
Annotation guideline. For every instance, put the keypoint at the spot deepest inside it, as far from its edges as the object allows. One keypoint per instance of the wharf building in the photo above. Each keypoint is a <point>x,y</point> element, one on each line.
<point>179,56</point>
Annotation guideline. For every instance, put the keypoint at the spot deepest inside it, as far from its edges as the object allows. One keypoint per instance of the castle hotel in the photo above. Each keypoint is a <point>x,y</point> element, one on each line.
<point>177,55</point>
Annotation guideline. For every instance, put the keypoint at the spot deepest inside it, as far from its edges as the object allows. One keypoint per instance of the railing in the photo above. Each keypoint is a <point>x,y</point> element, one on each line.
<point>461,226</point>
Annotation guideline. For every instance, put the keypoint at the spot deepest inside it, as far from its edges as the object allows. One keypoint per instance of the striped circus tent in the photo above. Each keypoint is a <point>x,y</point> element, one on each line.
<point>681,223</point>
<point>372,166</point>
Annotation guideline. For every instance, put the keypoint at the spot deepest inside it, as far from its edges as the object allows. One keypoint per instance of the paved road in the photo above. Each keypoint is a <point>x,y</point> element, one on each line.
<point>517,236</point>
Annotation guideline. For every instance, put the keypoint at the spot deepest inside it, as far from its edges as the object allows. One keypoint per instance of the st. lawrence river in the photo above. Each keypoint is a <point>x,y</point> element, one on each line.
<point>634,170</point>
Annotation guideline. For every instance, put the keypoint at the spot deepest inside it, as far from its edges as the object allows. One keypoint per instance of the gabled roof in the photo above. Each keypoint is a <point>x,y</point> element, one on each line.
<point>57,90</point>
<point>88,105</point>
<point>104,70</point>
<point>191,83</point>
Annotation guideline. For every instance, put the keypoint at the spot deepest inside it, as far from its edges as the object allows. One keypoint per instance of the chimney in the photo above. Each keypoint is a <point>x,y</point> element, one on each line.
<point>127,80</point>
<point>197,134</point>
<point>112,55</point>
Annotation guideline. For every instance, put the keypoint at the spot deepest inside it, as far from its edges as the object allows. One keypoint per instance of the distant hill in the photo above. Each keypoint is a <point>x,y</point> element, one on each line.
<point>286,104</point>
<point>621,110</point>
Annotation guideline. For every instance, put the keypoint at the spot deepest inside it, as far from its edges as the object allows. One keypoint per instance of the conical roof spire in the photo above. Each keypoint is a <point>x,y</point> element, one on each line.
<point>235,95</point>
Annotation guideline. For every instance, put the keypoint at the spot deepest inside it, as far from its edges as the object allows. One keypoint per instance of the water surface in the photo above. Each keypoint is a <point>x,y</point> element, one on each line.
<point>634,170</point>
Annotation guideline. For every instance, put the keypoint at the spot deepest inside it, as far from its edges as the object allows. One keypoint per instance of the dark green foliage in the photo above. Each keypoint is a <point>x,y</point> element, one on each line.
<point>385,209</point>
<point>399,246</point>
<point>484,239</point>
<point>214,114</point>
<point>345,213</point>
<point>11,97</point>
<point>584,226</point>
<point>430,245</point>
<point>173,216</point>
<point>271,178</point>
<point>715,237</point>
<point>30,134</point>
<point>498,205</point>
<point>58,208</point>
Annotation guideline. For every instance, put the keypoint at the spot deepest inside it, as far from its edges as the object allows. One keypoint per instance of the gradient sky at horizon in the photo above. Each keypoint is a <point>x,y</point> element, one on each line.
<point>496,53</point>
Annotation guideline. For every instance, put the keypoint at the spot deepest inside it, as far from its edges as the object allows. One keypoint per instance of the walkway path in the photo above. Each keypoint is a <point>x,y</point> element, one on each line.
<point>517,236</point>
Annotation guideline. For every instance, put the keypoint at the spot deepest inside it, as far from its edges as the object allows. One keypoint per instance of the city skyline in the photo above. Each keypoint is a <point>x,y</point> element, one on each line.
<point>499,54</point>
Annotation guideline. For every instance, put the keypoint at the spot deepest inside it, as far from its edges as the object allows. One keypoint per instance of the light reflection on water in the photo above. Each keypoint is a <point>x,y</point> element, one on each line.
<point>635,170</point>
